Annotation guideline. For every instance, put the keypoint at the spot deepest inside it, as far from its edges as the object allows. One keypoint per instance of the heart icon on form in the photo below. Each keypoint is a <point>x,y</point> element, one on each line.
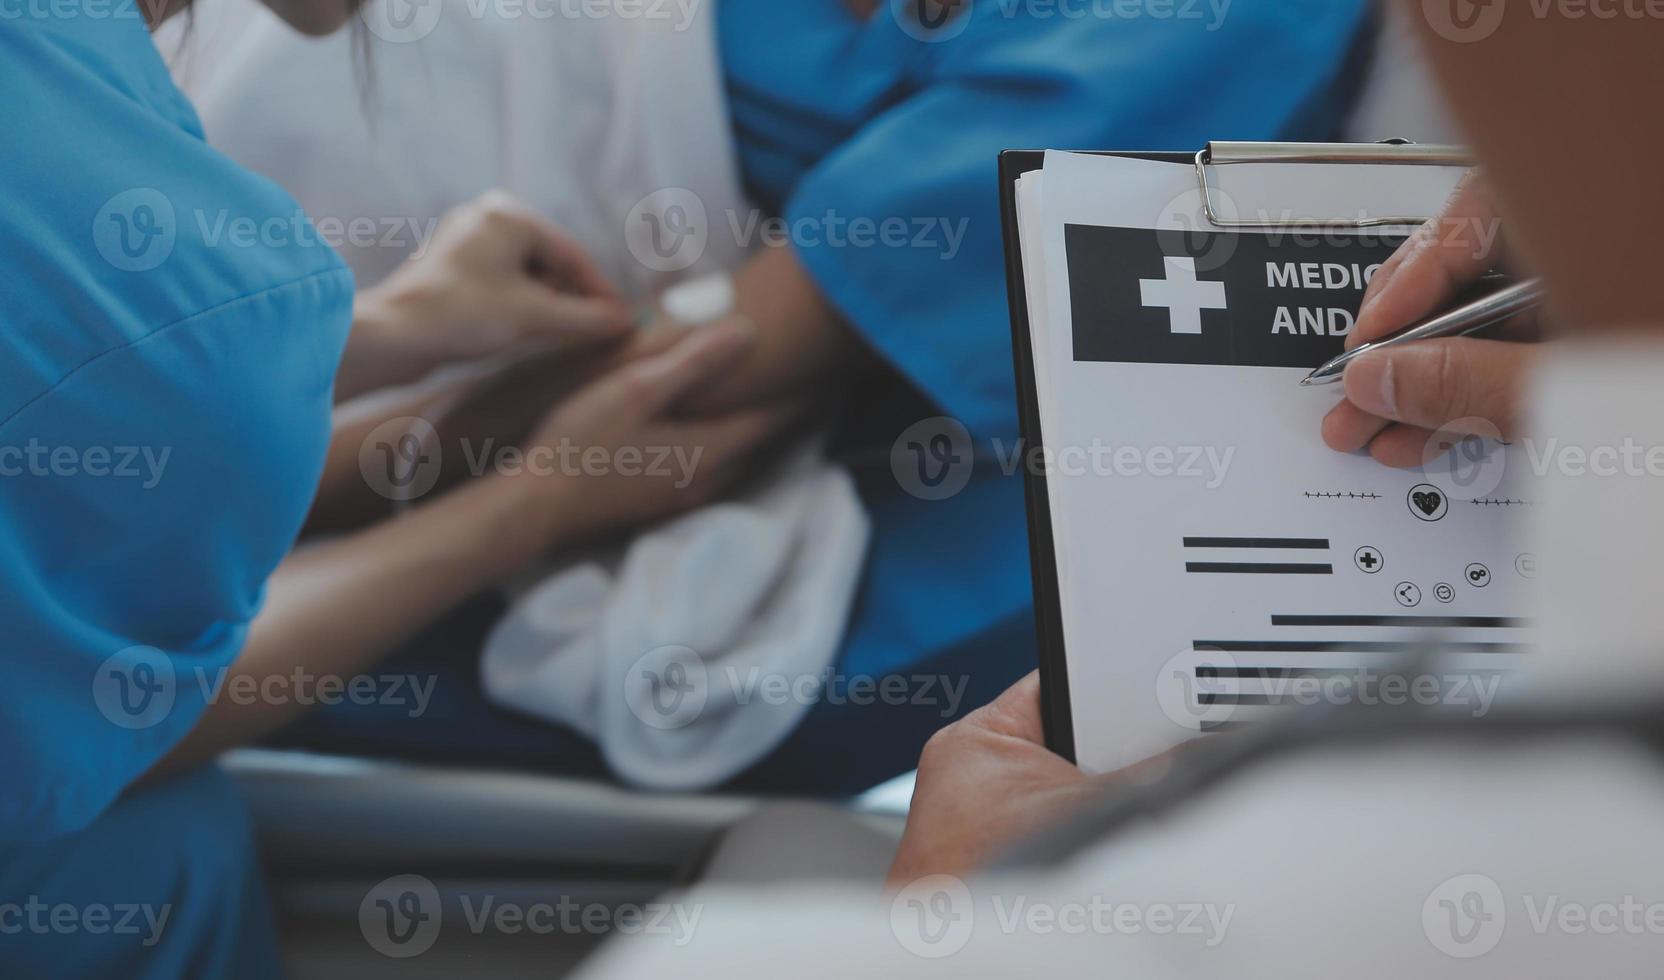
<point>1427,502</point>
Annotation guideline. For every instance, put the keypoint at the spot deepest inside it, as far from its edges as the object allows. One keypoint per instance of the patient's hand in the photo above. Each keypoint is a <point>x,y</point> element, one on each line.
<point>803,343</point>
<point>1398,398</point>
<point>495,275</point>
<point>984,782</point>
<point>506,405</point>
<point>617,454</point>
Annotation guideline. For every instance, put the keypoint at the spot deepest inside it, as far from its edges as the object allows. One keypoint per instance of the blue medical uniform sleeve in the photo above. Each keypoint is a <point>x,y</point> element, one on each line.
<point>167,485</point>
<point>934,306</point>
<point>165,400</point>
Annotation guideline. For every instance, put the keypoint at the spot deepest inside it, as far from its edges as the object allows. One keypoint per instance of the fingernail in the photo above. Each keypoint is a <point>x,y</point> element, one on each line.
<point>1370,384</point>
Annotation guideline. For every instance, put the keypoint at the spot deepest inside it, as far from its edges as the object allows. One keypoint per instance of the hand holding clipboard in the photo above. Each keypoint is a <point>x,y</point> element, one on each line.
<point>1163,316</point>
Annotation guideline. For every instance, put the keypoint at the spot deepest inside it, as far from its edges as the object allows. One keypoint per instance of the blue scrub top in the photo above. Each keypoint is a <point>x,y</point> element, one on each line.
<point>170,327</point>
<point>838,119</point>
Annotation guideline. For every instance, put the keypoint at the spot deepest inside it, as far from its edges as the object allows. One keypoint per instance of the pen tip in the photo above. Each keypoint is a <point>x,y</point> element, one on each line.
<point>1307,381</point>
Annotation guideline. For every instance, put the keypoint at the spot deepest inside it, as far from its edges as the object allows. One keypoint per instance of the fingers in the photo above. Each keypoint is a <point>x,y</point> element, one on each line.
<point>1434,383</point>
<point>1397,398</point>
<point>656,338</point>
<point>1405,447</point>
<point>543,282</point>
<point>555,259</point>
<point>730,440</point>
<point>726,449</point>
<point>1348,428</point>
<point>655,383</point>
<point>541,311</point>
<point>564,264</point>
<point>1438,261</point>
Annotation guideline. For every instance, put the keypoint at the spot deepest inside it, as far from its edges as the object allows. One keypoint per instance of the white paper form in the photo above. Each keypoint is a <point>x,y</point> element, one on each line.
<point>1215,560</point>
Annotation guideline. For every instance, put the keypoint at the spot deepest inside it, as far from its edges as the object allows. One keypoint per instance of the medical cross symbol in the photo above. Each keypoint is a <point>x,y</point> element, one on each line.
<point>1184,296</point>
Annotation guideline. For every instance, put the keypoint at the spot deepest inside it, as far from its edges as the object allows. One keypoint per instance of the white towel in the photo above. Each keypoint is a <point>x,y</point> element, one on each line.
<point>702,623</point>
<point>710,642</point>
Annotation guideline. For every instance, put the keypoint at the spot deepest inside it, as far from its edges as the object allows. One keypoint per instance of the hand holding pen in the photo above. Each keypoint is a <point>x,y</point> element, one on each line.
<point>1399,394</point>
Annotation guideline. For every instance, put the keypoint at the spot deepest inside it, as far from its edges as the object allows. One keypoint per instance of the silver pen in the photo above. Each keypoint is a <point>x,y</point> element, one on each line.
<point>1465,319</point>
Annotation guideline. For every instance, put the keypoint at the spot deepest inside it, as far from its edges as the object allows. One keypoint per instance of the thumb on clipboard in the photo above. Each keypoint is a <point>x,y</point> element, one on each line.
<point>1396,399</point>
<point>984,781</point>
<point>987,781</point>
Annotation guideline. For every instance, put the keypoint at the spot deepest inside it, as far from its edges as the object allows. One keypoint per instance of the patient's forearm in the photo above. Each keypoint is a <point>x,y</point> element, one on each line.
<point>344,499</point>
<point>373,358</point>
<point>333,610</point>
<point>802,341</point>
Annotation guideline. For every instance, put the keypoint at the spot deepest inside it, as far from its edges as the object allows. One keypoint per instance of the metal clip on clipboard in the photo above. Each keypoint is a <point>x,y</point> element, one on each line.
<point>1224,154</point>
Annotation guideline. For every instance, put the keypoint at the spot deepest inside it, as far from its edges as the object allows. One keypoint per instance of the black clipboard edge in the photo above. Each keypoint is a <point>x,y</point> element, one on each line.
<point>1056,713</point>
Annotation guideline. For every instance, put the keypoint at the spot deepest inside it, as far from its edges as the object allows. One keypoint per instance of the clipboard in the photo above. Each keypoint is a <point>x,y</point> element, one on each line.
<point>1056,705</point>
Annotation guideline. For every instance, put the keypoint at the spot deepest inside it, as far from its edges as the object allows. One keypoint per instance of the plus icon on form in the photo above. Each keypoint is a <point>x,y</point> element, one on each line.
<point>1184,296</point>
